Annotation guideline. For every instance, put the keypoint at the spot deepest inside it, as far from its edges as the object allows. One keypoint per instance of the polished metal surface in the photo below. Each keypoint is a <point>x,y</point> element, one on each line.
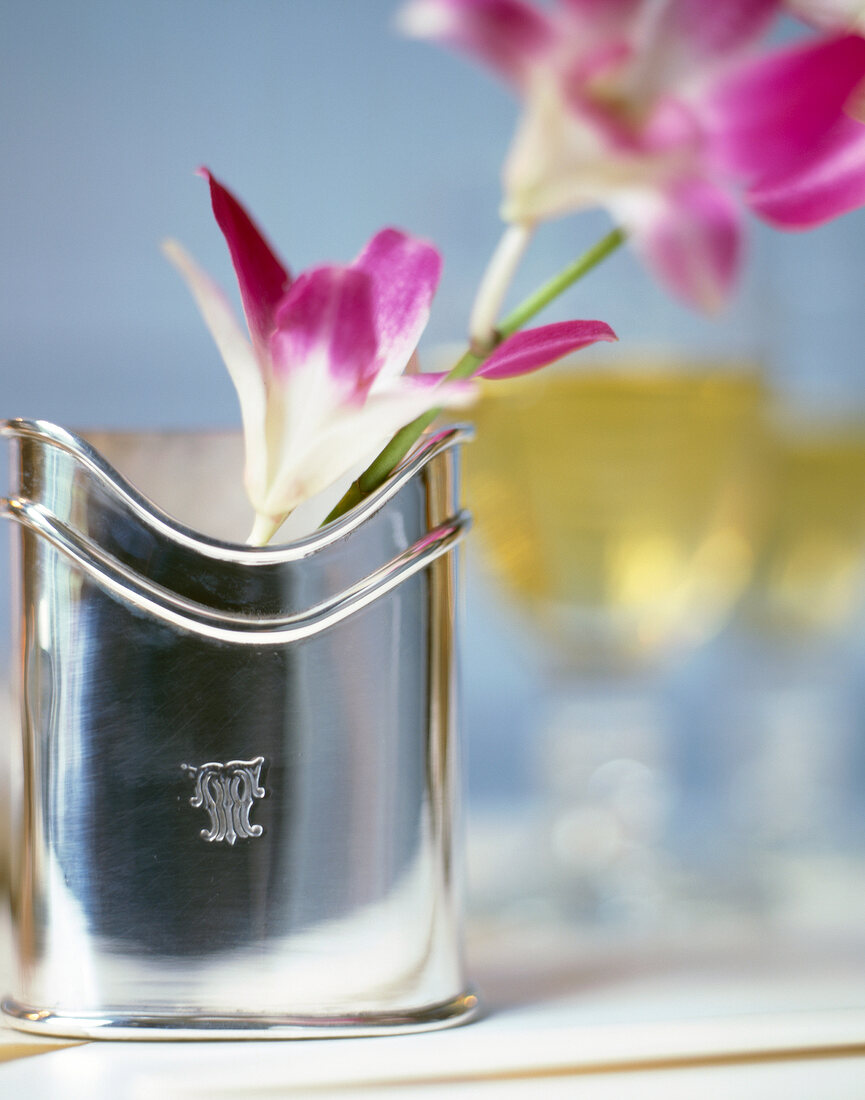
<point>236,806</point>
<point>237,1025</point>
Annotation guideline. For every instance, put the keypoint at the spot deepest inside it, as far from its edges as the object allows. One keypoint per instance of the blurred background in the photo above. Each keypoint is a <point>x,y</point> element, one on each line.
<point>664,711</point>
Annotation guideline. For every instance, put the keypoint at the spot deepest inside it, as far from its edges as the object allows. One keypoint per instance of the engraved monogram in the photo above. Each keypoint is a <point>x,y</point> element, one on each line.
<point>227,791</point>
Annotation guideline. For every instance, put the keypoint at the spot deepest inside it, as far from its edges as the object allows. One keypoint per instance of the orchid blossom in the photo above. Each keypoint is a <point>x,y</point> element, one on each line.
<point>664,114</point>
<point>320,379</point>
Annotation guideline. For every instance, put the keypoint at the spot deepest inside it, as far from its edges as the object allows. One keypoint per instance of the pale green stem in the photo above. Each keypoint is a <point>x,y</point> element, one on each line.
<point>264,528</point>
<point>380,468</point>
<point>495,283</point>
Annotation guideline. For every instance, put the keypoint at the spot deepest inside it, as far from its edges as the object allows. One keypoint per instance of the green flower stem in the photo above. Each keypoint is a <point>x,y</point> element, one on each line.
<point>381,467</point>
<point>531,306</point>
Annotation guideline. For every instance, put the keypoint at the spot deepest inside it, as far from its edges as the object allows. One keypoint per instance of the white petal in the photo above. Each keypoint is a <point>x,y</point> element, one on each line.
<point>352,433</point>
<point>556,163</point>
<point>243,367</point>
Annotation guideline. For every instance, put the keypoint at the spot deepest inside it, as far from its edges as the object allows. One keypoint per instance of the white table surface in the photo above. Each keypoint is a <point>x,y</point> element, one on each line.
<point>757,1016</point>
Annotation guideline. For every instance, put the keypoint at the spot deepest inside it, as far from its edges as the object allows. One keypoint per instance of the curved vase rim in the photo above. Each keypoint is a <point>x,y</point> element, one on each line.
<point>154,517</point>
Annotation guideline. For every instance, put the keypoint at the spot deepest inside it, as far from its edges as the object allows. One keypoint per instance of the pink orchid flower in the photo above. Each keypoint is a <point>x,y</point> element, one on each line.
<point>664,114</point>
<point>320,378</point>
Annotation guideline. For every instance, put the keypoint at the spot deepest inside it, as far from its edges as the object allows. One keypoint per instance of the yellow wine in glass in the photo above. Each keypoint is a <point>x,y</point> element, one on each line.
<point>810,572</point>
<point>795,778</point>
<point>617,505</point>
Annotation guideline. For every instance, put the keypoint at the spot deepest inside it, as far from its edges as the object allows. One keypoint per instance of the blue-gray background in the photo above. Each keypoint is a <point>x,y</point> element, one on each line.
<point>329,126</point>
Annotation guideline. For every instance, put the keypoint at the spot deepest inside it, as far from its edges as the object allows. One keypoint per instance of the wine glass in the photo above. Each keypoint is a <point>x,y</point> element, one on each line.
<point>617,512</point>
<point>798,765</point>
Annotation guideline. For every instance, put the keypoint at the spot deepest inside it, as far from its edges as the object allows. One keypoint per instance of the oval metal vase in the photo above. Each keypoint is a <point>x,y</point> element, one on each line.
<point>236,815</point>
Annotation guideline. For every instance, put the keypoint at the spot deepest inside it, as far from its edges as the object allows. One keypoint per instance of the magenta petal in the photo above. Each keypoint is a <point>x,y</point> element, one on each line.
<point>261,276</point>
<point>538,347</point>
<point>325,324</point>
<point>717,28</point>
<point>404,273</point>
<point>607,14</point>
<point>505,34</point>
<point>830,183</point>
<point>692,241</point>
<point>768,115</point>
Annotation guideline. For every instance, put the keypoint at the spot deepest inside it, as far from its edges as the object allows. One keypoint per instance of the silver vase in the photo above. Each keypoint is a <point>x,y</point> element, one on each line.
<point>238,765</point>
